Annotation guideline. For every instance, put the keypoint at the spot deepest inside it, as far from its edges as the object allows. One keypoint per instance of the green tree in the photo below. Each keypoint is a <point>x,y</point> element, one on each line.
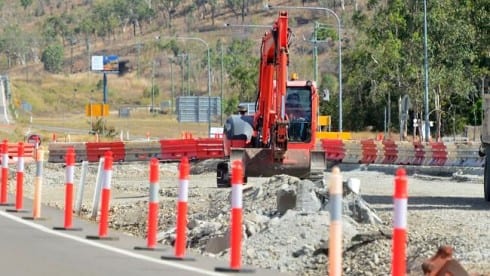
<point>168,9</point>
<point>52,58</point>
<point>25,3</point>
<point>14,44</point>
<point>387,61</point>
<point>147,93</point>
<point>56,27</point>
<point>242,68</point>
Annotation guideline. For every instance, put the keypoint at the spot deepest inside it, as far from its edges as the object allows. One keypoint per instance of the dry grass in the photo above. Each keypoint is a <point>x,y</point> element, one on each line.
<point>138,126</point>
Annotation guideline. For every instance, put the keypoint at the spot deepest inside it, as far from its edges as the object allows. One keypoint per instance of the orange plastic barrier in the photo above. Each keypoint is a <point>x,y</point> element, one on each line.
<point>28,152</point>
<point>369,151</point>
<point>419,153</point>
<point>334,149</point>
<point>175,149</point>
<point>209,148</point>
<point>439,154</point>
<point>391,152</point>
<point>97,150</point>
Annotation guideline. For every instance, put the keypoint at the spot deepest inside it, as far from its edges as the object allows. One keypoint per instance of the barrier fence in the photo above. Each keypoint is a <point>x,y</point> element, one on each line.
<point>368,151</point>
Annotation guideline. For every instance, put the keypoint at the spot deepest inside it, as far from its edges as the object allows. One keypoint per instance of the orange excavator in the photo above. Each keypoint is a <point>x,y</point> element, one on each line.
<point>279,138</point>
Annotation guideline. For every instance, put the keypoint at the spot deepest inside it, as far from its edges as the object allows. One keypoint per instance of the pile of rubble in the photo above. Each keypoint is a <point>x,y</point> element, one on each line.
<point>286,223</point>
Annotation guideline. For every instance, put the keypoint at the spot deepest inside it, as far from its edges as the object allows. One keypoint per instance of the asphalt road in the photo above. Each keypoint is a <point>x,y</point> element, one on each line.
<point>33,248</point>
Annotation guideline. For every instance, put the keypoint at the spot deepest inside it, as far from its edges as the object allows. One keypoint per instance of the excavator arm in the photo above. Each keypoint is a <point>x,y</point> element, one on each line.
<point>270,120</point>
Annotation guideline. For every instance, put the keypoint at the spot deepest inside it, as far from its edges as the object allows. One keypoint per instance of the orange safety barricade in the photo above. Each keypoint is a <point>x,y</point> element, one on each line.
<point>419,153</point>
<point>209,148</point>
<point>369,151</point>
<point>175,149</point>
<point>334,149</point>
<point>439,154</point>
<point>391,152</point>
<point>97,150</point>
<point>13,152</point>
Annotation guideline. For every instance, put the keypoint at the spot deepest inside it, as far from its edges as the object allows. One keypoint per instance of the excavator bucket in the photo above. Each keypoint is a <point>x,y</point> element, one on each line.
<point>259,162</point>
<point>297,162</point>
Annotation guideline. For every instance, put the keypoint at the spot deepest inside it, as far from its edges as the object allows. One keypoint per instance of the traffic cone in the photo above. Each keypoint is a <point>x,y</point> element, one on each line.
<point>106,195</point>
<point>180,239</point>
<point>400,198</point>
<point>152,209</point>
<point>70,169</point>
<point>19,191</point>
<point>38,180</point>
<point>4,147</point>
<point>236,221</point>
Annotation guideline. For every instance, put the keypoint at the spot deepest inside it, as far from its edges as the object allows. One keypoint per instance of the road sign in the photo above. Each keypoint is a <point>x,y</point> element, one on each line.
<point>96,109</point>
<point>324,120</point>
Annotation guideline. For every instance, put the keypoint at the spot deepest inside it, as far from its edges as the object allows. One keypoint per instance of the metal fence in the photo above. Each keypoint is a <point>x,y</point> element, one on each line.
<point>198,109</point>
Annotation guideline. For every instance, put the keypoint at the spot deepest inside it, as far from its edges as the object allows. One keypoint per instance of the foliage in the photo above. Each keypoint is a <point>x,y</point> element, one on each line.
<point>52,58</point>
<point>99,126</point>
<point>155,90</point>
<point>25,3</point>
<point>13,43</point>
<point>386,62</point>
<point>231,105</point>
<point>242,67</point>
<point>168,9</point>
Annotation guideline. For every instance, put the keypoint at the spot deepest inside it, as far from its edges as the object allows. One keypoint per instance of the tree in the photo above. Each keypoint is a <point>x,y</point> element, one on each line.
<point>387,61</point>
<point>147,93</point>
<point>168,9</point>
<point>242,67</point>
<point>55,27</point>
<point>52,58</point>
<point>133,12</point>
<point>13,43</point>
<point>25,3</point>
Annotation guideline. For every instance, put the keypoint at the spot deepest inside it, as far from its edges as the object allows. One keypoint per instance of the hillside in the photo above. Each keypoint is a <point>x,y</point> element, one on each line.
<point>76,83</point>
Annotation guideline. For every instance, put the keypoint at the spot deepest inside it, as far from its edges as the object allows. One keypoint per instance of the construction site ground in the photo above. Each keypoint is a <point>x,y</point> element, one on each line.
<point>446,209</point>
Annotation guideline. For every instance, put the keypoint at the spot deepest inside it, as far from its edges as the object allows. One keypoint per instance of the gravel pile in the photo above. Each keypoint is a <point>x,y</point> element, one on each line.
<point>286,220</point>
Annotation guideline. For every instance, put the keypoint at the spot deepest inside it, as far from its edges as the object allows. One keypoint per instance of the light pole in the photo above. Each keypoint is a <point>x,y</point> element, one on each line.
<point>315,42</point>
<point>152,88</point>
<point>209,75</point>
<point>340,47</point>
<point>426,77</point>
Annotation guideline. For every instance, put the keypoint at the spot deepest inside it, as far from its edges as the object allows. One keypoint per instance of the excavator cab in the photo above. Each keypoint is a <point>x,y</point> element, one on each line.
<point>298,110</point>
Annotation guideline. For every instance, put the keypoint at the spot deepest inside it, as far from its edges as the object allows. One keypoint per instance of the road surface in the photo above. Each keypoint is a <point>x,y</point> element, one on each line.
<point>33,248</point>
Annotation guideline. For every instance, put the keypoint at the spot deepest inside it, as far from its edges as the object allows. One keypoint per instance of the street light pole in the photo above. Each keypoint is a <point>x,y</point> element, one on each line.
<point>340,47</point>
<point>152,88</point>
<point>209,75</point>
<point>426,77</point>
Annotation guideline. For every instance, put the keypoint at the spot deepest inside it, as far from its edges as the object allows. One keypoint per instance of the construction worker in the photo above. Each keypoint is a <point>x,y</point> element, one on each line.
<point>242,110</point>
<point>297,118</point>
<point>294,109</point>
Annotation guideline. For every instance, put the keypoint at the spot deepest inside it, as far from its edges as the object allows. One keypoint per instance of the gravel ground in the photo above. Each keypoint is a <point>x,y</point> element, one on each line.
<point>441,210</point>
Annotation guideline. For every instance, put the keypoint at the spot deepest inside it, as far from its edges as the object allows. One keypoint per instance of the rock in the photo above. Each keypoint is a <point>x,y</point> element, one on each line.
<point>286,198</point>
<point>306,198</point>
<point>217,244</point>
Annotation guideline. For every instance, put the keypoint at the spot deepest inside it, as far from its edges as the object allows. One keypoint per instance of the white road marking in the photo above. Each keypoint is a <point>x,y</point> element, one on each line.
<point>109,248</point>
